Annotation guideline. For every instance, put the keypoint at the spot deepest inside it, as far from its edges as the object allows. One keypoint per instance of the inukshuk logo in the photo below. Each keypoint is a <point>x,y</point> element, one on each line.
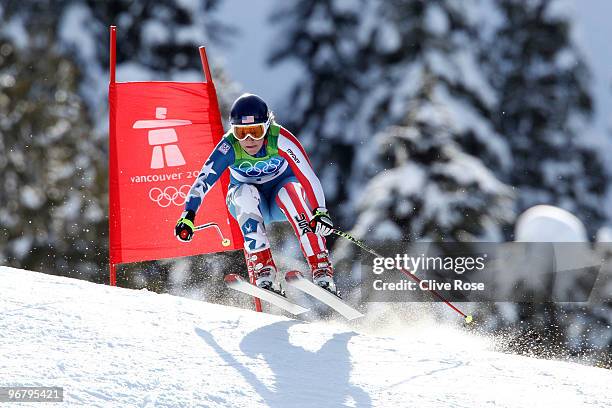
<point>163,138</point>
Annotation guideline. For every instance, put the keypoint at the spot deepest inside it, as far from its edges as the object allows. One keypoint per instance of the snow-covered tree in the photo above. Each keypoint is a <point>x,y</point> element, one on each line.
<point>432,190</point>
<point>322,35</point>
<point>394,97</point>
<point>365,63</point>
<point>543,101</point>
<point>52,195</point>
<point>542,85</point>
<point>156,41</point>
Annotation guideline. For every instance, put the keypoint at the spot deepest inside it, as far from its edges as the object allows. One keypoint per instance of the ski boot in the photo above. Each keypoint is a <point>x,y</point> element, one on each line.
<point>261,266</point>
<point>323,272</point>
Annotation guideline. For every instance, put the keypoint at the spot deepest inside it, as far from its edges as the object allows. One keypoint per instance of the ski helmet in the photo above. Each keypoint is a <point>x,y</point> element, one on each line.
<point>250,117</point>
<point>249,109</point>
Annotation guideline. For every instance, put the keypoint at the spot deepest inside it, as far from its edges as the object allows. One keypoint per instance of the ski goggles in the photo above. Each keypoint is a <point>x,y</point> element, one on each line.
<point>255,132</point>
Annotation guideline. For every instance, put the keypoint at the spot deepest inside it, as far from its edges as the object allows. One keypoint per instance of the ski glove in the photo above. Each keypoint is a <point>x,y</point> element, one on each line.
<point>321,223</point>
<point>184,226</point>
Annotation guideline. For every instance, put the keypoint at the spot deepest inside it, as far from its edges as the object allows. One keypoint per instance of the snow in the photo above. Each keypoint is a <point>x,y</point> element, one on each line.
<point>546,223</point>
<point>21,246</point>
<point>388,39</point>
<point>16,31</point>
<point>465,118</point>
<point>75,20</point>
<point>436,21</point>
<point>155,32</point>
<point>386,229</point>
<point>31,198</point>
<point>472,76</point>
<point>604,234</point>
<point>113,347</point>
<point>319,24</point>
<point>468,170</point>
<point>94,87</point>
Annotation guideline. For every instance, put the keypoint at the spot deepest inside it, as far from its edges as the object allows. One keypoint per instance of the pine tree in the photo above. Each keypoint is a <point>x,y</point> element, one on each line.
<point>396,91</point>
<point>321,35</point>
<point>543,102</point>
<point>366,63</point>
<point>432,189</point>
<point>542,83</point>
<point>156,41</point>
<point>52,198</point>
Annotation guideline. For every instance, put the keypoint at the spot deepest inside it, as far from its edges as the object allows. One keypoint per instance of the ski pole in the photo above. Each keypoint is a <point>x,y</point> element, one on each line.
<point>224,241</point>
<point>346,235</point>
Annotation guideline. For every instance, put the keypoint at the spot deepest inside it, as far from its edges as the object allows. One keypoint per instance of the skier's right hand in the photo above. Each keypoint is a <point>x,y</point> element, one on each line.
<point>184,226</point>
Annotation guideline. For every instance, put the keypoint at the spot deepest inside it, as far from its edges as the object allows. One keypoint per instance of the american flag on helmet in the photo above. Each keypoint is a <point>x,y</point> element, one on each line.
<point>248,119</point>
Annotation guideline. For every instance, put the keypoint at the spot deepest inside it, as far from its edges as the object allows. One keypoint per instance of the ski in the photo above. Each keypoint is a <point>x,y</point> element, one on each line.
<point>236,282</point>
<point>297,280</point>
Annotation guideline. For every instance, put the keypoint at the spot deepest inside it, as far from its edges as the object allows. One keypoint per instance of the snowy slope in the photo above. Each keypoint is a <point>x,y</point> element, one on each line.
<point>118,347</point>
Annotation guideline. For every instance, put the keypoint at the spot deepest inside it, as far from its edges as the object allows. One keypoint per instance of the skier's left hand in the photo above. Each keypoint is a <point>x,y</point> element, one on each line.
<point>321,223</point>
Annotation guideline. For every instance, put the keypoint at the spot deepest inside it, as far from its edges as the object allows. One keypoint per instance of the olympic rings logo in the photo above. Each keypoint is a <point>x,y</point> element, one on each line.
<point>260,167</point>
<point>169,195</point>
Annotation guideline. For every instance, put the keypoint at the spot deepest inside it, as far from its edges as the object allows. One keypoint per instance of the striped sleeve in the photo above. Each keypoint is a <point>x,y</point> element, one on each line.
<point>219,160</point>
<point>291,149</point>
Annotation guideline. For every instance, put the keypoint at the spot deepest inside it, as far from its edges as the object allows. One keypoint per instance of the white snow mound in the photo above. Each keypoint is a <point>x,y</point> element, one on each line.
<point>547,223</point>
<point>112,347</point>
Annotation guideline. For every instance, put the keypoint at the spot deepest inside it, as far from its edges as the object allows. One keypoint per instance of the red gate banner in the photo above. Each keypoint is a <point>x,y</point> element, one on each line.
<point>160,135</point>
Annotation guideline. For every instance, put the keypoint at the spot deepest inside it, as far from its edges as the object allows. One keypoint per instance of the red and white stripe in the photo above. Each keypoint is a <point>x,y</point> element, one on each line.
<point>300,164</point>
<point>292,201</point>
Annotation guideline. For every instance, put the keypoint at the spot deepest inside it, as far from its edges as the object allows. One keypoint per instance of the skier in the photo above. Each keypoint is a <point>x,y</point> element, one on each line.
<point>271,179</point>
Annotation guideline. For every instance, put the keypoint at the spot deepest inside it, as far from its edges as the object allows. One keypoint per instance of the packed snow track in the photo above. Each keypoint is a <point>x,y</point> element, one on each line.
<point>113,347</point>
